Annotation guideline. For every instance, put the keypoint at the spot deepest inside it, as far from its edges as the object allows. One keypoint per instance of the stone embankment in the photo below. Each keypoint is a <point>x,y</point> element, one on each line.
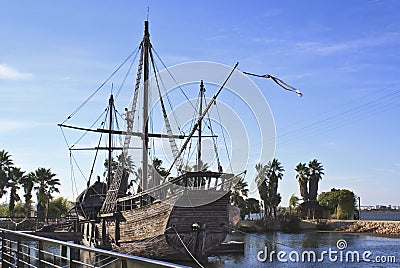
<point>375,227</point>
<point>390,228</point>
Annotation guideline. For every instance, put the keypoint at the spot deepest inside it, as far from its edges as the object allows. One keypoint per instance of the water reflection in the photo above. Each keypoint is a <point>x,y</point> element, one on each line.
<point>276,242</point>
<point>314,241</point>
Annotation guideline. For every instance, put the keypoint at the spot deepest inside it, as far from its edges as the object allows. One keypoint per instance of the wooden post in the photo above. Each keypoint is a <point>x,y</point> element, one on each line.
<point>103,231</point>
<point>29,256</point>
<point>63,250</point>
<point>40,255</point>
<point>3,250</point>
<point>117,230</point>
<point>124,264</point>
<point>72,257</point>
<point>19,253</point>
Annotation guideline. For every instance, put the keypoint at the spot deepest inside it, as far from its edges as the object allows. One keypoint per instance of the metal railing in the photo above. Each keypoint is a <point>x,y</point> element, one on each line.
<point>20,249</point>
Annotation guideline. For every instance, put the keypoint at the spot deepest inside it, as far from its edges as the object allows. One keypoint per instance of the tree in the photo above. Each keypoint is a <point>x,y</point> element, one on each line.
<point>15,176</point>
<point>293,202</point>
<point>202,166</point>
<point>274,174</point>
<point>46,184</point>
<point>5,160</point>
<point>157,165</point>
<point>27,182</point>
<point>114,166</point>
<point>4,210</point>
<point>316,172</point>
<point>59,207</point>
<point>342,202</point>
<point>253,205</point>
<point>302,176</point>
<point>127,163</point>
<point>128,167</point>
<point>138,178</point>
<point>158,172</point>
<point>261,180</point>
<point>240,191</point>
<point>5,165</point>
<point>267,182</point>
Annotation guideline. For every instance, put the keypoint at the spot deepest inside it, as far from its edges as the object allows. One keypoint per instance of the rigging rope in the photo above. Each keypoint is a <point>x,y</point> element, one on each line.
<point>214,142</point>
<point>169,100</point>
<point>188,251</point>
<point>223,136</point>
<point>74,183</point>
<point>337,120</point>
<point>173,78</point>
<point>212,101</point>
<point>85,133</point>
<point>189,153</point>
<point>172,143</point>
<point>110,201</point>
<point>97,90</point>
<point>127,74</point>
<point>97,151</point>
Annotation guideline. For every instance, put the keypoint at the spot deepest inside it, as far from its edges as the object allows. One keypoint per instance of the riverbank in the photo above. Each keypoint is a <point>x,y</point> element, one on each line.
<point>381,228</point>
<point>390,228</point>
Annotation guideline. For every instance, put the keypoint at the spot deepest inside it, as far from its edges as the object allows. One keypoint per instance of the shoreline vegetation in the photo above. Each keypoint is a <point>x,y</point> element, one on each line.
<point>382,228</point>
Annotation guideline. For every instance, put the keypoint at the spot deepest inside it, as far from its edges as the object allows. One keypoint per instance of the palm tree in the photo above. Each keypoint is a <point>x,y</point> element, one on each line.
<point>27,182</point>
<point>46,184</point>
<point>14,179</point>
<point>128,168</point>
<point>202,166</point>
<point>158,173</point>
<point>261,180</point>
<point>5,164</point>
<point>5,160</point>
<point>316,172</point>
<point>293,202</point>
<point>237,196</point>
<point>114,165</point>
<point>274,174</point>
<point>239,189</point>
<point>127,163</point>
<point>302,176</point>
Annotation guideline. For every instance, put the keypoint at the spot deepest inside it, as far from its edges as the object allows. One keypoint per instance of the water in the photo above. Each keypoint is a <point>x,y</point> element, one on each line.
<point>317,242</point>
<point>290,244</point>
<point>381,215</point>
<point>311,241</point>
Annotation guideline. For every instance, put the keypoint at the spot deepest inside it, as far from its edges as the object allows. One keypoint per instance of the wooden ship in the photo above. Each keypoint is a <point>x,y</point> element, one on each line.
<point>181,217</point>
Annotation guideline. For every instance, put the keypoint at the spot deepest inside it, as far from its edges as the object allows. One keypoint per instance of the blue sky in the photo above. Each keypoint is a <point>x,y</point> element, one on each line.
<point>343,55</point>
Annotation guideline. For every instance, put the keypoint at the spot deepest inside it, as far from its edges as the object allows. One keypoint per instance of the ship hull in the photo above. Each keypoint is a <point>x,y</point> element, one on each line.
<point>167,229</point>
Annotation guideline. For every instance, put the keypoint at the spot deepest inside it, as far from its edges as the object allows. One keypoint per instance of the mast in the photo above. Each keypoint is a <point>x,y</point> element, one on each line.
<point>212,101</point>
<point>202,89</point>
<point>145,139</point>
<point>111,105</point>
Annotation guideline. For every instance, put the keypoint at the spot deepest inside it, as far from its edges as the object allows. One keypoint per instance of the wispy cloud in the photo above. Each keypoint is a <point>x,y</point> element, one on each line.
<point>385,170</point>
<point>331,143</point>
<point>266,40</point>
<point>332,48</point>
<point>270,13</point>
<point>9,73</point>
<point>10,126</point>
